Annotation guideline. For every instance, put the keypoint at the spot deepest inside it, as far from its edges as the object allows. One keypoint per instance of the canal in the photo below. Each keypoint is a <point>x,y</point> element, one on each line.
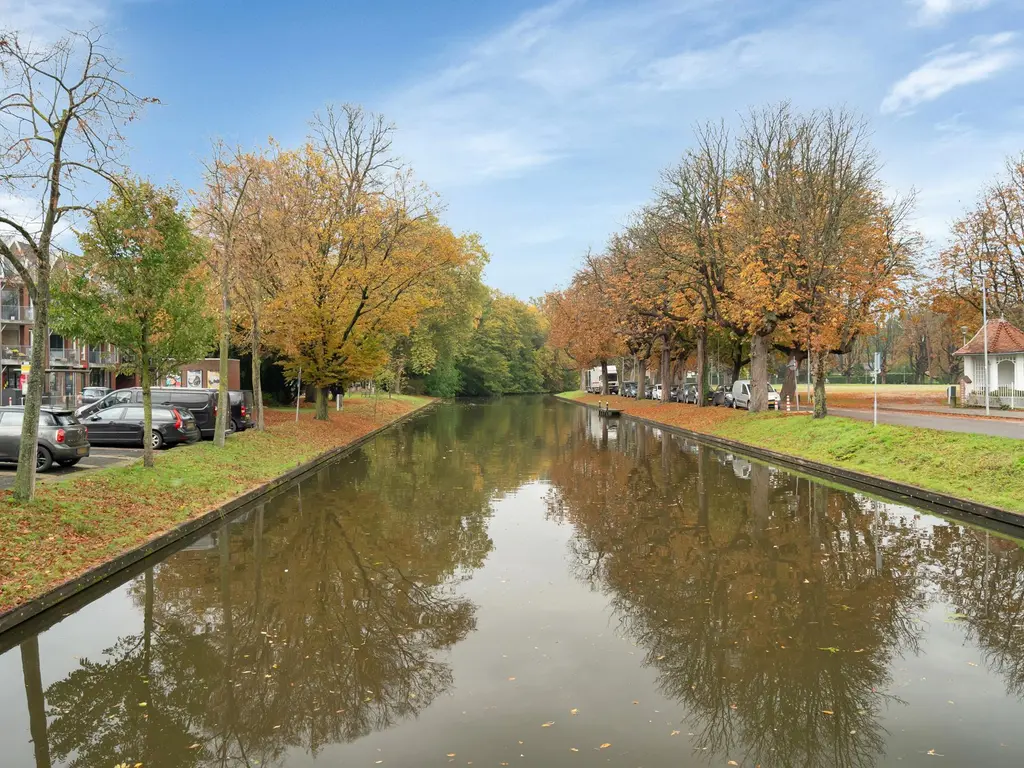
<point>516,583</point>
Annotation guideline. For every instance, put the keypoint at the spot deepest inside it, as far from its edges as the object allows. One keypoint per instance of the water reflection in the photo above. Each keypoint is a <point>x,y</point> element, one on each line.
<point>772,607</point>
<point>776,616</point>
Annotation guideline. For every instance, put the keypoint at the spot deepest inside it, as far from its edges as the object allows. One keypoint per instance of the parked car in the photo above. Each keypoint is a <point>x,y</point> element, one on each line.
<point>92,394</point>
<point>242,409</point>
<point>741,395</point>
<point>688,393</point>
<point>721,396</point>
<point>629,389</point>
<point>123,425</point>
<point>62,438</point>
<point>201,402</point>
<point>674,395</point>
<point>656,392</point>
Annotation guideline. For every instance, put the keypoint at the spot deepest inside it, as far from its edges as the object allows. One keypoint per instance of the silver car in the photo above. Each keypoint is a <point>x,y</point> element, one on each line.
<point>62,438</point>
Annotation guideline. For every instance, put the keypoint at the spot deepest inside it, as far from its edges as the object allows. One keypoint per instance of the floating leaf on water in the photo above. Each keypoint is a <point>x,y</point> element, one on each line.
<point>574,711</point>
<point>548,724</point>
<point>511,678</point>
<point>604,746</point>
<point>573,749</point>
<point>451,754</point>
<point>674,733</point>
<point>827,712</point>
<point>732,762</point>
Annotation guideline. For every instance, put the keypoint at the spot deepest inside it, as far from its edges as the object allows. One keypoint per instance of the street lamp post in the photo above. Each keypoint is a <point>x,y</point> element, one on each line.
<point>984,320</point>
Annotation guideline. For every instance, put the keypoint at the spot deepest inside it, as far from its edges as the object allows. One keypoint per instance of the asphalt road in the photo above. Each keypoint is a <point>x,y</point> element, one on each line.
<point>997,427</point>
<point>98,458</point>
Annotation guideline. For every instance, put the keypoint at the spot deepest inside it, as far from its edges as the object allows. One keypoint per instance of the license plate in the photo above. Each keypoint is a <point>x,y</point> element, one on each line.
<point>83,451</point>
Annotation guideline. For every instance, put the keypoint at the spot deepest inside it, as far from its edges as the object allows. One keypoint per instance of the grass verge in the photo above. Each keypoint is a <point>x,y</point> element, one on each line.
<point>980,468</point>
<point>84,520</point>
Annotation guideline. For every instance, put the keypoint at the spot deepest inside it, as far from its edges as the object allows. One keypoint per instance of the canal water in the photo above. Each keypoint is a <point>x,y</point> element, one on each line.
<point>519,583</point>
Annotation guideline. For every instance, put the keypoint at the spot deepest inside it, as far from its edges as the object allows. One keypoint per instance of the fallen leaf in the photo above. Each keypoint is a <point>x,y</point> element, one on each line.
<point>827,712</point>
<point>574,711</point>
<point>732,762</point>
<point>511,678</point>
<point>548,724</point>
<point>674,733</point>
<point>573,749</point>
<point>451,754</point>
<point>604,746</point>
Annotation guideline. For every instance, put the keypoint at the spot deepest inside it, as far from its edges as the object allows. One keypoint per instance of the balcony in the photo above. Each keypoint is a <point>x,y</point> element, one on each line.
<point>16,353</point>
<point>103,358</point>
<point>65,358</point>
<point>12,313</point>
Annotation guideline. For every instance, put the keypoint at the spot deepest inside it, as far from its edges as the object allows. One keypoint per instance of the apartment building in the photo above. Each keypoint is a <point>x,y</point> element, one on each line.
<point>70,365</point>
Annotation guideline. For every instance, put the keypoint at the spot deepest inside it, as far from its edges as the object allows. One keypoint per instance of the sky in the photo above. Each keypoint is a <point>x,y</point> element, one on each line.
<point>544,125</point>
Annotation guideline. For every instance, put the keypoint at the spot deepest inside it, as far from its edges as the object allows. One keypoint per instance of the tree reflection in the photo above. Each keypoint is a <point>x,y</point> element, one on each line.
<point>758,596</point>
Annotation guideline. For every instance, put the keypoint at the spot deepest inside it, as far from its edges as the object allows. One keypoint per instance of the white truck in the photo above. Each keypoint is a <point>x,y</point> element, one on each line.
<point>593,382</point>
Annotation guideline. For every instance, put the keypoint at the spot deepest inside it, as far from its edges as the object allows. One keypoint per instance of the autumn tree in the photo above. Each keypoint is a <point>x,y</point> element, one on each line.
<point>987,245</point>
<point>582,326</point>
<point>62,108</point>
<point>359,239</point>
<point>810,229</point>
<point>138,285</point>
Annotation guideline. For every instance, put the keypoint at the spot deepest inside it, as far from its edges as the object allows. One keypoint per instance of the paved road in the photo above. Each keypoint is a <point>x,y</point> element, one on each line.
<point>1000,428</point>
<point>98,458</point>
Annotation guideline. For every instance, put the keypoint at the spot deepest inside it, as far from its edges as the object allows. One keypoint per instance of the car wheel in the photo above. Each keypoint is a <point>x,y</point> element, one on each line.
<point>236,425</point>
<point>43,459</point>
<point>68,462</point>
<point>157,441</point>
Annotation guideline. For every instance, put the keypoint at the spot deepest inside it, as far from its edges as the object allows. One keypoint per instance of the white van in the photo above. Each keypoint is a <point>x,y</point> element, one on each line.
<point>741,395</point>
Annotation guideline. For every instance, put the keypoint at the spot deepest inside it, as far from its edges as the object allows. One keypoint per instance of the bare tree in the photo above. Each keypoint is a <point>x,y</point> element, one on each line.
<point>62,108</point>
<point>221,214</point>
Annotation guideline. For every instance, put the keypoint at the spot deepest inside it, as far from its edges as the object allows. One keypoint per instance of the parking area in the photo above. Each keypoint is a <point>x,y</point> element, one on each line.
<point>98,458</point>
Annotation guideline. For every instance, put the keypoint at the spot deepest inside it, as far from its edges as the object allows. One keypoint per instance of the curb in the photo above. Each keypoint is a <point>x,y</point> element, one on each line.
<point>890,489</point>
<point>97,579</point>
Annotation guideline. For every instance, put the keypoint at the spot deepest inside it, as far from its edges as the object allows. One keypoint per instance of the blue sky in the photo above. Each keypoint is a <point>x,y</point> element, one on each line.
<point>544,125</point>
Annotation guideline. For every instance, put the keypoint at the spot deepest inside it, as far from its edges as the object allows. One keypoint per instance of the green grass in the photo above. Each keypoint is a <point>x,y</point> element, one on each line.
<point>575,394</point>
<point>981,468</point>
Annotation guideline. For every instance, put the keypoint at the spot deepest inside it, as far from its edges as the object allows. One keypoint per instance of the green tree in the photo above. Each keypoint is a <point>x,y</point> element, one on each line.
<point>139,286</point>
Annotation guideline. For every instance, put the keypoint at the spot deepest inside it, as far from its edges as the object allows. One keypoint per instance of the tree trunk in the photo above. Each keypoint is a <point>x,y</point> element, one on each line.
<point>790,385</point>
<point>641,379</point>
<point>759,346</point>
<point>30,669</point>
<point>820,408</point>
<point>147,413</point>
<point>666,367</point>
<point>321,404</point>
<point>702,366</point>
<point>737,362</point>
<point>604,377</point>
<point>583,379</point>
<point>223,406</point>
<point>25,479</point>
<point>257,373</point>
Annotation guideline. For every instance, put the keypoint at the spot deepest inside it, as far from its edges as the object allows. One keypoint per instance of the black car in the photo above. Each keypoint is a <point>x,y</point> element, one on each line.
<point>721,396</point>
<point>92,394</point>
<point>123,425</point>
<point>242,409</point>
<point>62,438</point>
<point>201,402</point>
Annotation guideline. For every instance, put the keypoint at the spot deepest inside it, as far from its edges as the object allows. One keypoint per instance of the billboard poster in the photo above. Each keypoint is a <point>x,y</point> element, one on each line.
<point>194,379</point>
<point>213,379</point>
<point>172,380</point>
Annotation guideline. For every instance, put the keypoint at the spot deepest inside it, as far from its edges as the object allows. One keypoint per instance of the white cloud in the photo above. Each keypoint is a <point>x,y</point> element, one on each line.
<point>948,69</point>
<point>934,11</point>
<point>567,77</point>
<point>49,19</point>
<point>763,54</point>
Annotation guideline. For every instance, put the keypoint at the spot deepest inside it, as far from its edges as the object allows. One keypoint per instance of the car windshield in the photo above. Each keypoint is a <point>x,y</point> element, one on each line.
<point>771,388</point>
<point>65,419</point>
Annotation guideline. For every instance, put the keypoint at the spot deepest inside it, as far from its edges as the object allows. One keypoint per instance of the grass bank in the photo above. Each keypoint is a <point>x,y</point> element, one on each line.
<point>980,468</point>
<point>82,521</point>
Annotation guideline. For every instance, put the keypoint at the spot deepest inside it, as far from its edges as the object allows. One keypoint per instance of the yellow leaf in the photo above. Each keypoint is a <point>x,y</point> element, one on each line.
<point>574,711</point>
<point>451,754</point>
<point>548,724</point>
<point>573,749</point>
<point>827,711</point>
<point>604,746</point>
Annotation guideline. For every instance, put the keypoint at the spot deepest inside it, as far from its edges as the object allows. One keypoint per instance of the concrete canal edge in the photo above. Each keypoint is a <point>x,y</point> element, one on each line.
<point>889,489</point>
<point>109,570</point>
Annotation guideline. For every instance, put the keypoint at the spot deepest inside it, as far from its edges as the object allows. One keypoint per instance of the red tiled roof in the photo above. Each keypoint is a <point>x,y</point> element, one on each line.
<point>1003,339</point>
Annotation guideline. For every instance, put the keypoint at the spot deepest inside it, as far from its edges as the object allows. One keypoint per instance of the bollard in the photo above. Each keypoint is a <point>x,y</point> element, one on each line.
<point>789,406</point>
